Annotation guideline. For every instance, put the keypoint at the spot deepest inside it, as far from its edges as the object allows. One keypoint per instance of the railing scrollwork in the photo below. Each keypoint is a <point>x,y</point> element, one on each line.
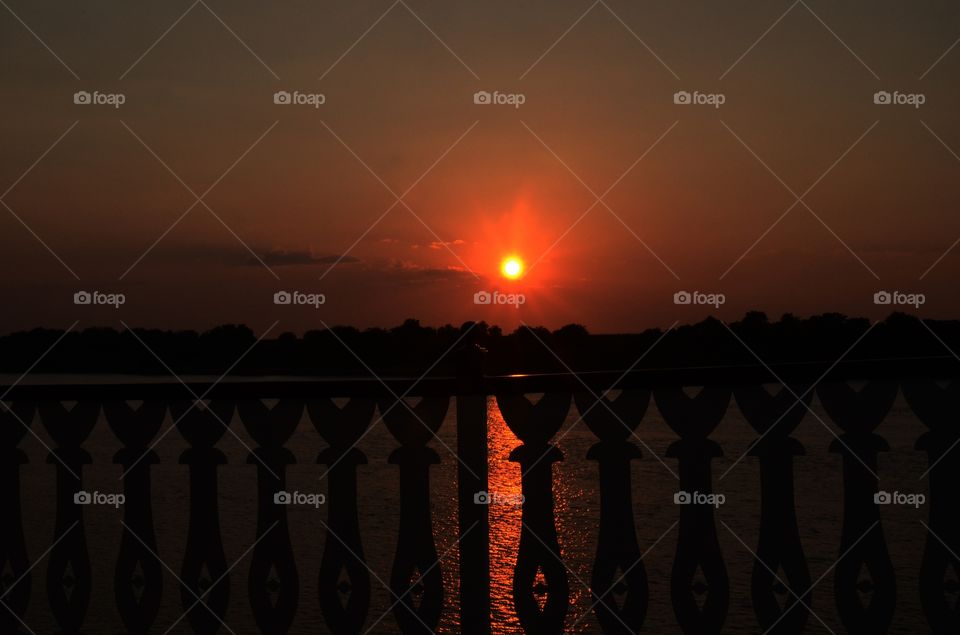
<point>540,411</point>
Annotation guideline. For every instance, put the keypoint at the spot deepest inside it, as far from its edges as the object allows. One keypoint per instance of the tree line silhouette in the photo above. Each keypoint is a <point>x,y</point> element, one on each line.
<point>414,349</point>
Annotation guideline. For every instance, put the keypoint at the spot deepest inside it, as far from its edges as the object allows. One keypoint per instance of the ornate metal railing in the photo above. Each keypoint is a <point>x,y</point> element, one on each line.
<point>619,584</point>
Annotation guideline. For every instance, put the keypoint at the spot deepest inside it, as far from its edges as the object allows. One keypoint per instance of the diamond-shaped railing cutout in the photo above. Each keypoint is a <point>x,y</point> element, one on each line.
<point>865,587</point>
<point>272,585</point>
<point>692,391</point>
<point>344,586</point>
<point>137,582</point>
<point>699,587</point>
<point>68,581</point>
<point>780,592</point>
<point>340,402</point>
<point>618,594</point>
<point>204,581</point>
<point>417,588</point>
<point>540,588</point>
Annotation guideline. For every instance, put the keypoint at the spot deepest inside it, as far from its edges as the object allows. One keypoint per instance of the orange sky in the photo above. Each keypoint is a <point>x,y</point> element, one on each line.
<point>695,192</point>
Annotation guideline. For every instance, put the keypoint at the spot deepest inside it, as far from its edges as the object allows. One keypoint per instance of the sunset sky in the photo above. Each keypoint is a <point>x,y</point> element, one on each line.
<point>302,198</point>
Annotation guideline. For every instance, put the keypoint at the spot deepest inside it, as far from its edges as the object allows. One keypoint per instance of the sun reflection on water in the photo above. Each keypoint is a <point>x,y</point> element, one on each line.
<point>504,479</point>
<point>505,526</point>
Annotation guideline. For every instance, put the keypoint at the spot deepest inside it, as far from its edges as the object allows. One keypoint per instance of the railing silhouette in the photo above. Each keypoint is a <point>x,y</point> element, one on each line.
<point>699,585</point>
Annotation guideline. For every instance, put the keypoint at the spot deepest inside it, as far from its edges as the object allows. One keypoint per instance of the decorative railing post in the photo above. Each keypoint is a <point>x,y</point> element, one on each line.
<point>68,570</point>
<point>273,584</point>
<point>204,571</point>
<point>344,580</point>
<point>138,576</point>
<point>415,579</point>
<point>619,581</point>
<point>780,568</point>
<point>539,549</point>
<point>699,586</point>
<point>15,578</point>
<point>864,584</point>
<point>472,478</point>
<point>939,409</point>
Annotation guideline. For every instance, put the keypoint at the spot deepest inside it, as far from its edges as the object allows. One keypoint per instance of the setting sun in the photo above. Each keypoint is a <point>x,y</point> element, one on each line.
<point>512,268</point>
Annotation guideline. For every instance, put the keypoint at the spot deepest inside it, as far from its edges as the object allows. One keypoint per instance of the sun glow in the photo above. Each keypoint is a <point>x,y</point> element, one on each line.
<point>511,267</point>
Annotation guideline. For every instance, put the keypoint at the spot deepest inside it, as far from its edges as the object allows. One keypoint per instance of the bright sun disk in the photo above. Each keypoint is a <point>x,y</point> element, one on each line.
<point>512,268</point>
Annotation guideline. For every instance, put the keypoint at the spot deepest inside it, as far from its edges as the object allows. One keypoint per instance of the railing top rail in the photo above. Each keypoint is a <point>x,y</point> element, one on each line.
<point>940,367</point>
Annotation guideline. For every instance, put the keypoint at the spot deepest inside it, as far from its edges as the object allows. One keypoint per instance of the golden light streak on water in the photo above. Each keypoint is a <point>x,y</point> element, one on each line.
<point>505,524</point>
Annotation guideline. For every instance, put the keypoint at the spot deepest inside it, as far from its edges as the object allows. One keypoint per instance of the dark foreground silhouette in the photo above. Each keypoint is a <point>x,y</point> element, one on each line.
<point>413,349</point>
<point>866,591</point>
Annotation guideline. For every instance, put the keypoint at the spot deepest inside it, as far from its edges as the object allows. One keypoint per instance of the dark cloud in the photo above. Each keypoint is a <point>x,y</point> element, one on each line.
<point>406,272</point>
<point>297,258</point>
